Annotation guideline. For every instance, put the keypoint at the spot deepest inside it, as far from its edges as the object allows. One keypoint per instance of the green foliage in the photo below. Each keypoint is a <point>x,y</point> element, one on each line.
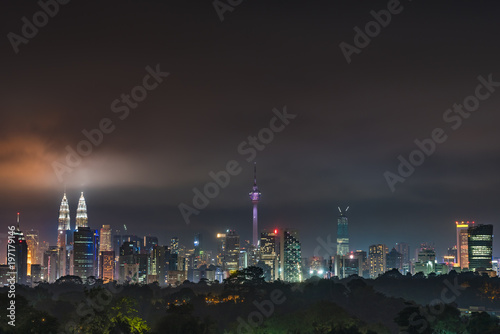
<point>120,318</point>
<point>27,318</point>
<point>482,323</point>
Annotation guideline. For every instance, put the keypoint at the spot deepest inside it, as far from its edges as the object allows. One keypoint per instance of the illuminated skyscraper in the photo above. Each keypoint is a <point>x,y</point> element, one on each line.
<point>221,249</point>
<point>105,243</point>
<point>269,250</point>
<point>377,259</point>
<point>63,230</point>
<point>107,266</point>
<point>64,222</point>
<point>33,252</point>
<point>174,245</point>
<point>290,256</point>
<point>480,244</point>
<point>18,255</point>
<point>81,213</point>
<point>462,244</point>
<point>255,197</point>
<point>84,252</point>
<point>342,233</point>
<point>232,254</point>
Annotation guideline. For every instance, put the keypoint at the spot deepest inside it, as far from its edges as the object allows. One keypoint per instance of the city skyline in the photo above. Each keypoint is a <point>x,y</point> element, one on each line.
<point>64,223</point>
<point>218,83</point>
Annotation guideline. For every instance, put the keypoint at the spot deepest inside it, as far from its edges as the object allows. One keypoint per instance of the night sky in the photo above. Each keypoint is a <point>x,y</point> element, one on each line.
<point>225,78</point>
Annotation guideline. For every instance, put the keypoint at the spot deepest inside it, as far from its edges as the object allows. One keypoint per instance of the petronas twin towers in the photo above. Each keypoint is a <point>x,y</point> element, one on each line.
<point>65,220</point>
<point>64,235</point>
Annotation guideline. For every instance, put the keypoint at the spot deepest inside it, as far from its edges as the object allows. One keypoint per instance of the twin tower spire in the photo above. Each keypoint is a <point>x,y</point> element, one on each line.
<point>81,214</point>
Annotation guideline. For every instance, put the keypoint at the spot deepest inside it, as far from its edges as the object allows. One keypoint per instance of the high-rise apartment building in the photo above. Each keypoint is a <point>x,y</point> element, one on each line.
<point>377,260</point>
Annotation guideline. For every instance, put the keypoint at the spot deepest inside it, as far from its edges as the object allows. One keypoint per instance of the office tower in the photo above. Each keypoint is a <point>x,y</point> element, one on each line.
<point>107,266</point>
<point>138,242</point>
<point>84,252</point>
<point>394,260</point>
<point>496,265</point>
<point>377,259</point>
<point>427,255</point>
<point>64,222</point>
<point>404,249</point>
<point>156,265</point>
<point>221,249</point>
<point>106,244</point>
<point>250,254</point>
<point>36,274</point>
<point>17,254</point>
<point>97,242</point>
<point>197,249</point>
<point>81,213</point>
<point>32,242</point>
<point>117,242</point>
<point>231,256</point>
<point>347,265</point>
<point>133,266</point>
<point>480,244</point>
<point>174,245</point>
<point>364,270</point>
<point>342,233</point>
<point>243,259</point>
<point>50,268</point>
<point>171,260</point>
<point>150,242</point>
<point>269,250</point>
<point>63,230</point>
<point>462,244</point>
<point>290,256</point>
<point>255,197</point>
<point>451,255</point>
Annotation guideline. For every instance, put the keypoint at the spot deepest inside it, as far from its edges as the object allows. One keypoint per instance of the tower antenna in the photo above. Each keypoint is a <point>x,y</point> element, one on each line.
<point>255,173</point>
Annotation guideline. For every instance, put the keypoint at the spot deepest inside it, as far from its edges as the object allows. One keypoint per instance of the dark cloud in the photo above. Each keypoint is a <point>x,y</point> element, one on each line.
<point>226,77</point>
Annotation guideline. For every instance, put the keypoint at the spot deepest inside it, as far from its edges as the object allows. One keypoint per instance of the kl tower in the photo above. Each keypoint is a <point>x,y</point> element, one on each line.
<point>255,197</point>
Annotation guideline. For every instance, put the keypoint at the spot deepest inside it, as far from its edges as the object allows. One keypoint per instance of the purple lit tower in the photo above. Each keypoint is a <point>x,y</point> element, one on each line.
<point>255,197</point>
